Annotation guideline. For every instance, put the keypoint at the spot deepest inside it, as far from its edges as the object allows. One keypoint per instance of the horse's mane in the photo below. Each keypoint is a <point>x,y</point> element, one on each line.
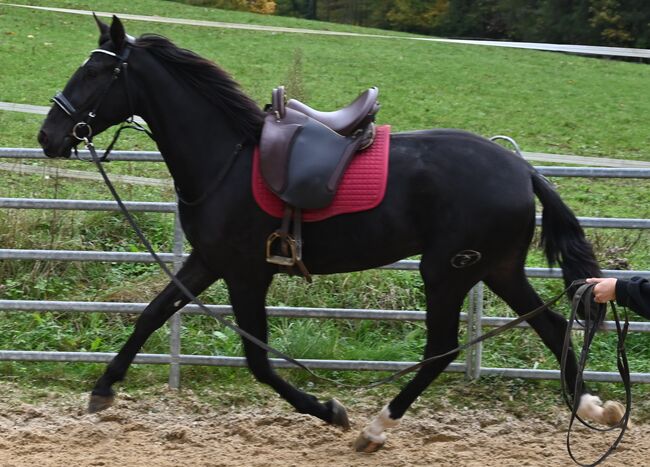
<point>210,81</point>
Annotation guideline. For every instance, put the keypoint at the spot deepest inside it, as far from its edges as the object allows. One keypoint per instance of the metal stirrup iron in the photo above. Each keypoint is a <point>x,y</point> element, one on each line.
<point>289,244</point>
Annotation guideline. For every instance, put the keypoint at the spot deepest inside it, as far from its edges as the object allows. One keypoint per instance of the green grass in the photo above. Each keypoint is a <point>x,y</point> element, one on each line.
<point>548,102</point>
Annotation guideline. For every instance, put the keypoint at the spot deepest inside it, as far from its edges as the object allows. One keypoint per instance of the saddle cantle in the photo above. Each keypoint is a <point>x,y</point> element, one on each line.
<point>303,156</point>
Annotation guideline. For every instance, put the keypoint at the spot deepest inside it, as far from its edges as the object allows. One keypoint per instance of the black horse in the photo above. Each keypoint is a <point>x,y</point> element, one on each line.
<point>448,191</point>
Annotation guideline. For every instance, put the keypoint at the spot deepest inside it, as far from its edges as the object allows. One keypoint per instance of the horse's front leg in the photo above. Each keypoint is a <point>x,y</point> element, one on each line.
<point>196,278</point>
<point>247,297</point>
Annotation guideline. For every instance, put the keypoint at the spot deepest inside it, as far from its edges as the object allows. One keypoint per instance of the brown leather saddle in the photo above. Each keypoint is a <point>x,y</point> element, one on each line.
<point>303,156</point>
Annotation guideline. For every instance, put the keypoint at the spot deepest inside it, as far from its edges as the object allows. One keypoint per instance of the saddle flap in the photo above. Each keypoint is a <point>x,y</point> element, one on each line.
<point>316,164</point>
<point>275,147</point>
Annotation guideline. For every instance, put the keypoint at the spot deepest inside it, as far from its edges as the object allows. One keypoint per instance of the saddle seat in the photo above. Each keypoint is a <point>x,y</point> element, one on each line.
<point>349,119</point>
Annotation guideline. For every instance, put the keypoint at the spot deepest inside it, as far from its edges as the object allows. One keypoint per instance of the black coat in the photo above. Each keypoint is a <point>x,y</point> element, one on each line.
<point>634,294</point>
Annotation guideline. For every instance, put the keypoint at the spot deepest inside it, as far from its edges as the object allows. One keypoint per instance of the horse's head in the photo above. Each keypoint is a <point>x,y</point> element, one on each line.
<point>95,97</point>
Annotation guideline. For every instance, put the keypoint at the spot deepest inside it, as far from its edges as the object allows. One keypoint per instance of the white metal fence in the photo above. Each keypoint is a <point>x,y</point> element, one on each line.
<point>473,316</point>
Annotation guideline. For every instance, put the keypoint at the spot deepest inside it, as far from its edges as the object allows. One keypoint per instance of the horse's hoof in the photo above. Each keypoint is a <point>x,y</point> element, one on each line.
<point>363,444</point>
<point>98,403</point>
<point>339,414</point>
<point>613,413</point>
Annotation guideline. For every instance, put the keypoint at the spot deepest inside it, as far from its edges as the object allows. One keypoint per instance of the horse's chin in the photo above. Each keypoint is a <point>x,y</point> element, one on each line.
<point>64,151</point>
<point>60,155</point>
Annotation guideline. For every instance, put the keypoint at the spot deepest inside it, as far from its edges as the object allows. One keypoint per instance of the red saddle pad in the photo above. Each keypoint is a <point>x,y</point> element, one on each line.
<point>362,187</point>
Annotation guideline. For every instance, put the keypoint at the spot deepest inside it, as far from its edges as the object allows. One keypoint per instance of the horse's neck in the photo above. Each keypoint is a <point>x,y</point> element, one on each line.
<point>193,136</point>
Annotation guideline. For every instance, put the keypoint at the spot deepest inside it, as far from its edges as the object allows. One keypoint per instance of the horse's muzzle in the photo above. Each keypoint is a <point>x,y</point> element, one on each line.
<point>63,149</point>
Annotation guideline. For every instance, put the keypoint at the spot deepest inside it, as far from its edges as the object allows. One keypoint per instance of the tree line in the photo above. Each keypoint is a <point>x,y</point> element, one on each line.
<point>623,23</point>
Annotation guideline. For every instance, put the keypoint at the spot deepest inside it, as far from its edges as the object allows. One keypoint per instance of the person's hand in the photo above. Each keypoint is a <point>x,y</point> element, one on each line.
<point>605,289</point>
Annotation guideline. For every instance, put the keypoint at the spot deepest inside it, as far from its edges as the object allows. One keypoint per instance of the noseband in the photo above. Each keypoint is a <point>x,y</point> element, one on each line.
<point>82,130</point>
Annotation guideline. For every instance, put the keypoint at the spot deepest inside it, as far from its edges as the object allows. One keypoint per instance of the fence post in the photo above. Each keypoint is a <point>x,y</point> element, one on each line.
<point>175,320</point>
<point>474,316</point>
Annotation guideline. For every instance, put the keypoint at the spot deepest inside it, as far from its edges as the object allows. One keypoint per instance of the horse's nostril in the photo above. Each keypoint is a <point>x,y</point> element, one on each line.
<point>42,138</point>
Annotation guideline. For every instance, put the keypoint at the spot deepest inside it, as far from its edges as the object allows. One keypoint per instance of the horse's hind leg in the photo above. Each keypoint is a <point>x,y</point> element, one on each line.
<point>247,297</point>
<point>445,289</point>
<point>196,278</point>
<point>511,284</point>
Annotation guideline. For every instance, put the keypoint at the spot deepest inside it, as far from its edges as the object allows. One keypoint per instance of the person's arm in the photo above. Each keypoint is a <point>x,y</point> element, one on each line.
<point>634,294</point>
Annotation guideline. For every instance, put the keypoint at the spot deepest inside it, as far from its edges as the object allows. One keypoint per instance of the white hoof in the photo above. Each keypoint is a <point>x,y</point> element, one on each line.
<point>613,413</point>
<point>592,408</point>
<point>372,437</point>
<point>364,444</point>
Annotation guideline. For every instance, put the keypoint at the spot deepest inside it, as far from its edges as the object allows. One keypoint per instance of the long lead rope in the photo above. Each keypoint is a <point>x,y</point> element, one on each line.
<point>263,345</point>
<point>584,295</point>
<point>174,279</point>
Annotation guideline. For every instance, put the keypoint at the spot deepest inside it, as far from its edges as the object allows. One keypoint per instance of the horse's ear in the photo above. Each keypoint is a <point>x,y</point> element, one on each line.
<point>118,35</point>
<point>104,30</point>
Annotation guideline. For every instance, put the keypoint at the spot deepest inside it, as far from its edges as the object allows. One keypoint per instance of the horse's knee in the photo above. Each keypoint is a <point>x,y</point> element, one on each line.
<point>263,376</point>
<point>153,317</point>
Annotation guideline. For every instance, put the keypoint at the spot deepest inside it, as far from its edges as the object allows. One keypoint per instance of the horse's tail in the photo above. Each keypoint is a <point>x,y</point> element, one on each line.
<point>562,238</point>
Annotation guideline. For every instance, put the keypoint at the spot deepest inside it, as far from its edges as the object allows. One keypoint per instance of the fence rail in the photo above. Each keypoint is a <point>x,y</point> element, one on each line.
<point>473,317</point>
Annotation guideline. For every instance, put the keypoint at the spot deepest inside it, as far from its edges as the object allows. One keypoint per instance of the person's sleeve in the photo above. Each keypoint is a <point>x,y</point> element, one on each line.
<point>634,294</point>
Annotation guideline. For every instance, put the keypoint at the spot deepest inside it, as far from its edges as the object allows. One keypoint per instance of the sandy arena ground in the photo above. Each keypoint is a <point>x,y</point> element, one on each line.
<point>180,429</point>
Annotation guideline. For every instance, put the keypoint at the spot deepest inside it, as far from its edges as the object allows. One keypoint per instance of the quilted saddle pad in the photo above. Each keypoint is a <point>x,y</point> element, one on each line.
<point>362,187</point>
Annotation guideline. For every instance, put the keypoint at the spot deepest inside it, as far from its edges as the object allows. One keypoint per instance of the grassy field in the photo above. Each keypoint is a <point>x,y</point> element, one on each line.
<point>548,102</point>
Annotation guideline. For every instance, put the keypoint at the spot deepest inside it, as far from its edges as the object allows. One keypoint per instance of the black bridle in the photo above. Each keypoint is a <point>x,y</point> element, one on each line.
<point>82,130</point>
